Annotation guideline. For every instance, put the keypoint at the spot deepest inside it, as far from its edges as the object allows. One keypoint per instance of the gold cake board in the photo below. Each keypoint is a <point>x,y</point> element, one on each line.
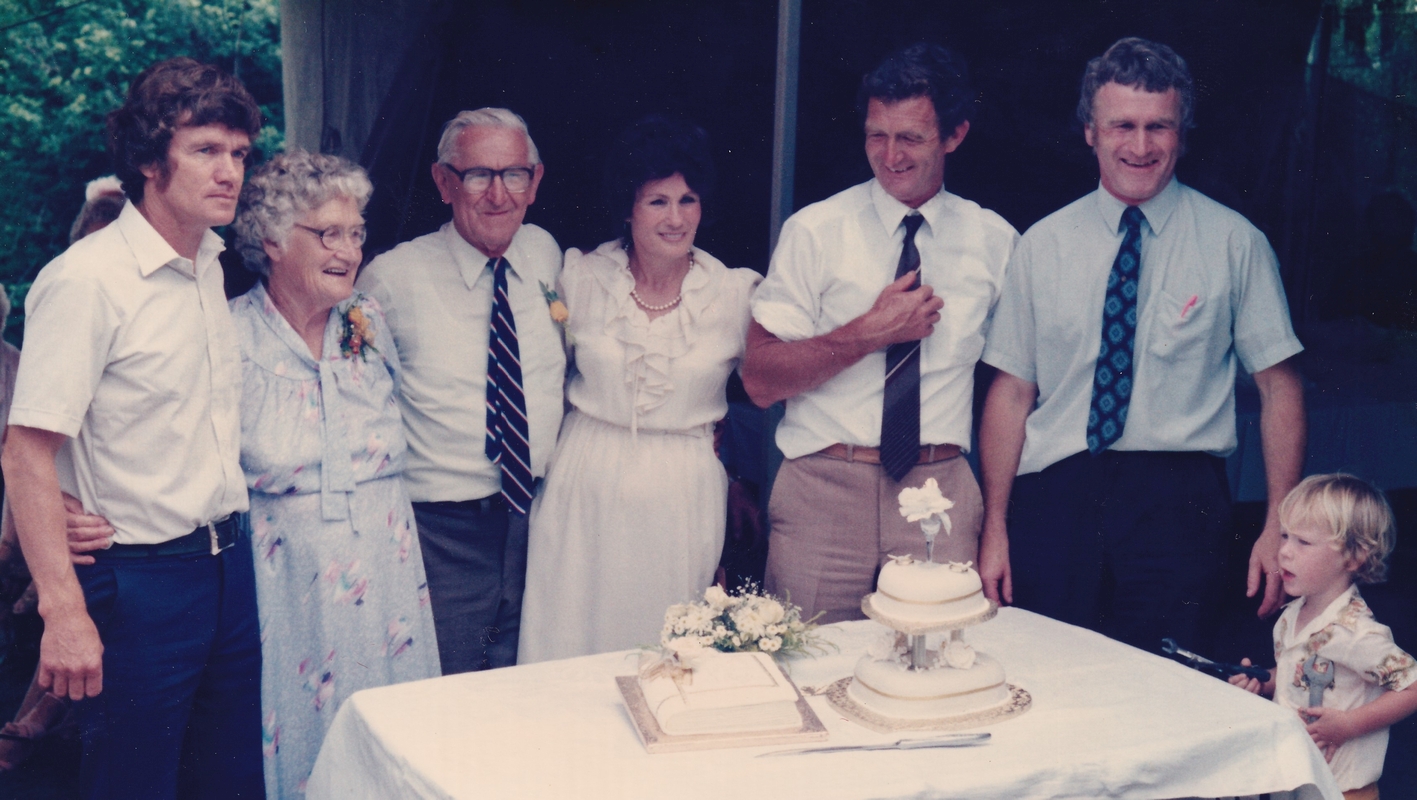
<point>1019,701</point>
<point>656,740</point>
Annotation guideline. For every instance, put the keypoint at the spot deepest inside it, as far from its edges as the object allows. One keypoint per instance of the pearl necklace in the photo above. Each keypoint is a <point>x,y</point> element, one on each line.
<point>648,307</point>
<point>672,303</point>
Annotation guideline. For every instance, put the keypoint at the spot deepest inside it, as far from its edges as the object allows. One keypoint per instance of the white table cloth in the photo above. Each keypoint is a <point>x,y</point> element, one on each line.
<point>1107,720</point>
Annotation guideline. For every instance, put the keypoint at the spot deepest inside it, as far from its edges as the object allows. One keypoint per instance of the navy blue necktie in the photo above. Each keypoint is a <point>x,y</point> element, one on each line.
<point>508,443</point>
<point>1112,380</point>
<point>900,416</point>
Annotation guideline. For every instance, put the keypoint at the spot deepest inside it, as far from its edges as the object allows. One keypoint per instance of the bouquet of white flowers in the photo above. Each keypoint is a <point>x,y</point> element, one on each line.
<point>745,621</point>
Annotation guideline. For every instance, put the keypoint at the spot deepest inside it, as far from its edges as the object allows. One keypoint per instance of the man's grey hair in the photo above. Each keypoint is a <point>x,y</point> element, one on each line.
<point>285,188</point>
<point>1136,62</point>
<point>483,117</point>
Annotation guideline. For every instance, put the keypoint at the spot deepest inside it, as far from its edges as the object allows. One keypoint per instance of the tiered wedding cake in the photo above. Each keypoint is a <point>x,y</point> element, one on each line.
<point>914,598</point>
<point>902,682</point>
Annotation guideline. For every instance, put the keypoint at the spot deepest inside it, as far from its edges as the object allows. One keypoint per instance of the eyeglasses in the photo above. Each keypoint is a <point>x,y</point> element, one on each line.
<point>477,180</point>
<point>335,238</point>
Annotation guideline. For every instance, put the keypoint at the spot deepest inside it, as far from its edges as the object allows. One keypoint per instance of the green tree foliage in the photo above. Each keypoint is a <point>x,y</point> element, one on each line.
<point>67,63</point>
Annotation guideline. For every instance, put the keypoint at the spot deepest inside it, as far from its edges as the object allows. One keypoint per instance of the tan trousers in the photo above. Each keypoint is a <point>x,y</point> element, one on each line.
<point>835,522</point>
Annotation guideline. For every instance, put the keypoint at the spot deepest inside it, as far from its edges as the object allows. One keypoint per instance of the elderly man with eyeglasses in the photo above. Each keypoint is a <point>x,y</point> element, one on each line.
<point>482,378</point>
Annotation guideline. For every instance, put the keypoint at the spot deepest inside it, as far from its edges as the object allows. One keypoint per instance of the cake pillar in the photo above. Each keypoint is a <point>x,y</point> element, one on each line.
<point>919,656</point>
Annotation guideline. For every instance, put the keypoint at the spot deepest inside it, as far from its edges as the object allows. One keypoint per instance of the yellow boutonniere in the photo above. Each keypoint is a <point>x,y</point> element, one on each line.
<point>557,308</point>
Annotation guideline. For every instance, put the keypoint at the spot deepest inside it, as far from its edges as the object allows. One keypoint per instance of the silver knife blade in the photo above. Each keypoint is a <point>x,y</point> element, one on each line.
<point>947,740</point>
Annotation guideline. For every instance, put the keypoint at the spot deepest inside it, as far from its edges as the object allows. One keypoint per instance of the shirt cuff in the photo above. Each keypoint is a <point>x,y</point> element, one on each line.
<point>1271,356</point>
<point>1016,367</point>
<point>785,321</point>
<point>45,421</point>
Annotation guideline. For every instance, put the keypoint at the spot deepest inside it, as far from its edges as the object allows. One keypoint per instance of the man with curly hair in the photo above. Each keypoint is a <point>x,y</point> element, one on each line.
<point>127,398</point>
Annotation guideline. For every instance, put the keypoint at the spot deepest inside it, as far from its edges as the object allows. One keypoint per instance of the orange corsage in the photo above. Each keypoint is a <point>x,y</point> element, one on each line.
<point>557,308</point>
<point>355,333</point>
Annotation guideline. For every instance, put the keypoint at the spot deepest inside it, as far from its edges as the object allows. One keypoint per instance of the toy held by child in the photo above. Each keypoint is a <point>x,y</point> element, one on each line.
<point>1336,665</point>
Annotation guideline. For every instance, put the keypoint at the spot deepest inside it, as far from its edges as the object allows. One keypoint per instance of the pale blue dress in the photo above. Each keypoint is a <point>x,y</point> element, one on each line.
<point>339,576</point>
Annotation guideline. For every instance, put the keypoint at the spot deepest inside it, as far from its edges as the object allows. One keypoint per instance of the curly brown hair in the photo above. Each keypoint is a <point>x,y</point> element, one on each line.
<point>179,92</point>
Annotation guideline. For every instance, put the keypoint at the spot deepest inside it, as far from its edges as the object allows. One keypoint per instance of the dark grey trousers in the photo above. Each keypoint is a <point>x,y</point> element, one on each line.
<point>474,553</point>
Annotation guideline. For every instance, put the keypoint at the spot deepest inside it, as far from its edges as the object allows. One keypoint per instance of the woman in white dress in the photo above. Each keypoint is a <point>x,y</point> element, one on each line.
<point>631,515</point>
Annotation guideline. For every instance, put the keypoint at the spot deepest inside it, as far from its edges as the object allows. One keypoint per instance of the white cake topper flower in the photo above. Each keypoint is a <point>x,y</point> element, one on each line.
<point>924,503</point>
<point>927,506</point>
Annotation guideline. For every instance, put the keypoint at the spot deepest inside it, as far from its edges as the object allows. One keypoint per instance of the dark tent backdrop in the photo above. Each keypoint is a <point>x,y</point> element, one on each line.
<point>1298,150</point>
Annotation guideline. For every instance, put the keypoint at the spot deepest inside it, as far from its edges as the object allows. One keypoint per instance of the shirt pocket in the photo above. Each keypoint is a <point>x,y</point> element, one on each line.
<point>1181,327</point>
<point>959,335</point>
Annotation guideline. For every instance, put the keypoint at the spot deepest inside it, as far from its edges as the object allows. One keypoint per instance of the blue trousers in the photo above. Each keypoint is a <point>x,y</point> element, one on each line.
<point>180,710</point>
<point>474,553</point>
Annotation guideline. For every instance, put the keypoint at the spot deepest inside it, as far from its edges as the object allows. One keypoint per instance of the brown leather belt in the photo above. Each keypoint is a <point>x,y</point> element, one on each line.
<point>929,454</point>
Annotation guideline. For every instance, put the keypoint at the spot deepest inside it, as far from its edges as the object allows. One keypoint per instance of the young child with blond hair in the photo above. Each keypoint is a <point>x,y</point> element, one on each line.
<point>1337,531</point>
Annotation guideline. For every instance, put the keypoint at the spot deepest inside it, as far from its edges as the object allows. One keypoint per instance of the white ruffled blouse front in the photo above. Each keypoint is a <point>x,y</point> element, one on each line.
<point>664,374</point>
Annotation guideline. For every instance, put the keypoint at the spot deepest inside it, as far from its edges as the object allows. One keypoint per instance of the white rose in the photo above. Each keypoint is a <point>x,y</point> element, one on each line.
<point>926,501</point>
<point>771,611</point>
<point>716,597</point>
<point>957,654</point>
<point>882,648</point>
<point>687,649</point>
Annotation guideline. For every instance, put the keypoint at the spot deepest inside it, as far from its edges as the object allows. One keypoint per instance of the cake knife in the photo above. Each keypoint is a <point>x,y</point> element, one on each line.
<point>947,740</point>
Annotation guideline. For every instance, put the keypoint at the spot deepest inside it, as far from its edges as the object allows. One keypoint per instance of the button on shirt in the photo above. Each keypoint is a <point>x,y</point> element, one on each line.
<point>130,352</point>
<point>436,292</point>
<point>1209,294</point>
<point>1366,661</point>
<point>832,260</point>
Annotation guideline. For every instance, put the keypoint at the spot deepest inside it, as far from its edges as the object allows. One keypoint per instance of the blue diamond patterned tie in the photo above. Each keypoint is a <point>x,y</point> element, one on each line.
<point>1112,380</point>
<point>507,439</point>
<point>900,415</point>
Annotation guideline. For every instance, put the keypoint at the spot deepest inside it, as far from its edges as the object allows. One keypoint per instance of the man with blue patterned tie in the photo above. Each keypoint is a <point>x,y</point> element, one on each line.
<point>481,385</point>
<point>1123,318</point>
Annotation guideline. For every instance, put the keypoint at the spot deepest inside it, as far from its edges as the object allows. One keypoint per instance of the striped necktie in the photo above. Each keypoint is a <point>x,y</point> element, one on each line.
<point>508,443</point>
<point>900,417</point>
<point>1112,378</point>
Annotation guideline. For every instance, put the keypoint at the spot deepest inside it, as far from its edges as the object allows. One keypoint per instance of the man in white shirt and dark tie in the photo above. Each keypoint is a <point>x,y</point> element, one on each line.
<point>869,326</point>
<point>482,377</point>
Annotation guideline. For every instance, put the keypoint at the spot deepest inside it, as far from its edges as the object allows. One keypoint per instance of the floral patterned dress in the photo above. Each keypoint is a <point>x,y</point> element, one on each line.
<point>339,576</point>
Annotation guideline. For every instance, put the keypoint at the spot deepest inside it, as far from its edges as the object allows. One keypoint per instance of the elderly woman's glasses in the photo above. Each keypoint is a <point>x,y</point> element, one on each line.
<point>477,180</point>
<point>336,237</point>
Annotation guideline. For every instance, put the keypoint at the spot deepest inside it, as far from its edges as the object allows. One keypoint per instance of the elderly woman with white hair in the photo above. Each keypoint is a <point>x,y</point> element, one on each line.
<point>339,575</point>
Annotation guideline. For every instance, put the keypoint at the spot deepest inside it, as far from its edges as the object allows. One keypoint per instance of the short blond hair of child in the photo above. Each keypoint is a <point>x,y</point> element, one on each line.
<point>1354,511</point>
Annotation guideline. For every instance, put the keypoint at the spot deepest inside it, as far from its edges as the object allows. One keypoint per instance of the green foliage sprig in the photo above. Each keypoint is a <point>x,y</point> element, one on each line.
<point>63,70</point>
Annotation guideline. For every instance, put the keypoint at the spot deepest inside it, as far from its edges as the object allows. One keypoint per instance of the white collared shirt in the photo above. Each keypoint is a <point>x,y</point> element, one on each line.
<point>831,263</point>
<point>1366,664</point>
<point>436,292</point>
<point>1209,293</point>
<point>130,352</point>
